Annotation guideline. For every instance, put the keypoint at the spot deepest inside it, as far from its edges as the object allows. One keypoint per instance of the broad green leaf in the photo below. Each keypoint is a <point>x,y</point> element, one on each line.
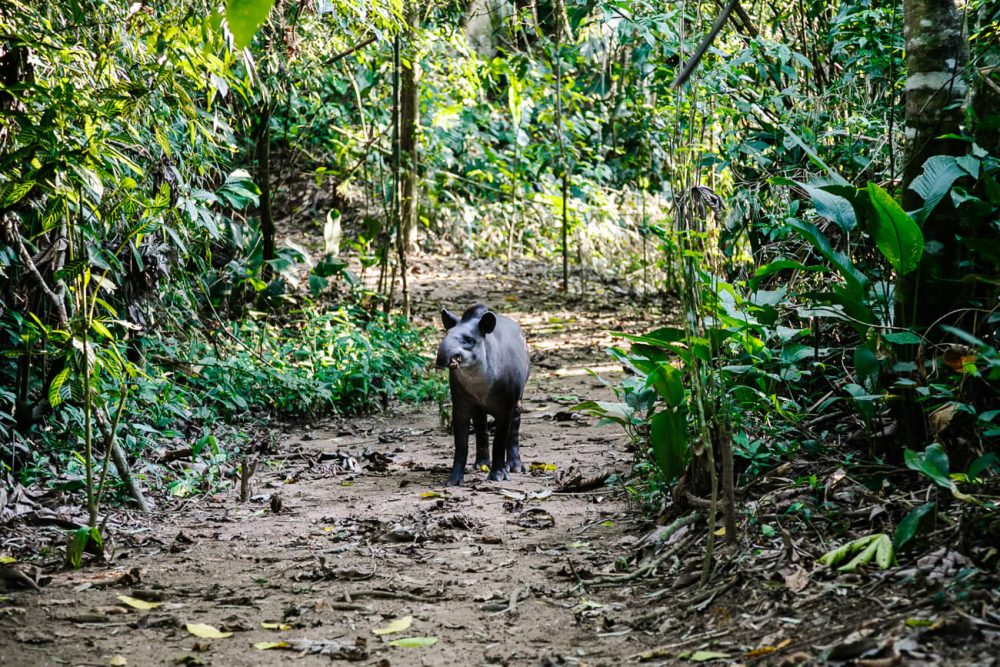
<point>136,603</point>
<point>245,17</point>
<point>206,631</point>
<point>55,389</point>
<point>932,462</point>
<point>982,463</point>
<point>668,382</point>
<point>833,207</point>
<point>669,440</point>
<point>7,560</point>
<point>616,412</point>
<point>940,173</point>
<point>897,236</point>
<point>866,362</point>
<point>414,642</point>
<point>397,625</point>
<point>907,528</point>
<point>903,338</point>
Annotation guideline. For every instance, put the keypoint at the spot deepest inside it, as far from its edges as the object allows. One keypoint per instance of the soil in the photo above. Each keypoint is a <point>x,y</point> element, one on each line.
<point>349,528</point>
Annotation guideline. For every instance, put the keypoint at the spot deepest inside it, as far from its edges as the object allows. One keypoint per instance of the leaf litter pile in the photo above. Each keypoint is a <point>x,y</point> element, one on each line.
<point>349,548</point>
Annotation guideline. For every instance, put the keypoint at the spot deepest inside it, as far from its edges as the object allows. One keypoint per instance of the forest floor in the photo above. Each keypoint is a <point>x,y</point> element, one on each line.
<point>349,530</point>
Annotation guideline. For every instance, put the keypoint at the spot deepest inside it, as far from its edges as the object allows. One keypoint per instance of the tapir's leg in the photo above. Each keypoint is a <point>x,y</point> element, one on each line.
<point>498,467</point>
<point>513,450</point>
<point>482,438</point>
<point>460,424</point>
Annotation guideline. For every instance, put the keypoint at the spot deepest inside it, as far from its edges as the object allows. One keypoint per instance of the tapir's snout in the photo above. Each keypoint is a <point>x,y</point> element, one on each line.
<point>447,360</point>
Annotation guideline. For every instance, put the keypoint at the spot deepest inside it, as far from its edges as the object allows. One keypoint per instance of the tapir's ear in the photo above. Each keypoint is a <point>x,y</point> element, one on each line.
<point>448,319</point>
<point>488,322</point>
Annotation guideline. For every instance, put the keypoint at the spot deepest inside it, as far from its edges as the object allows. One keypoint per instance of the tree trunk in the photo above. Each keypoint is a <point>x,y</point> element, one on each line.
<point>936,54</point>
<point>263,150</point>
<point>409,109</point>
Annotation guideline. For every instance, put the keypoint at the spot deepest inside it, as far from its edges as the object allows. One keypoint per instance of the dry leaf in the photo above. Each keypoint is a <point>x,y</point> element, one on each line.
<point>117,661</point>
<point>267,646</point>
<point>206,631</point>
<point>276,626</point>
<point>136,603</point>
<point>414,642</point>
<point>398,625</point>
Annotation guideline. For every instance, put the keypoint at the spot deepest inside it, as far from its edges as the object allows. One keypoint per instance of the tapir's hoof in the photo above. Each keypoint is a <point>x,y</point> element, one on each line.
<point>515,466</point>
<point>454,481</point>
<point>498,475</point>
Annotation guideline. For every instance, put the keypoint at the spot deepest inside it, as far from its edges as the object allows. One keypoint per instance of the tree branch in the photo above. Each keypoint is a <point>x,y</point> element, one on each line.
<point>692,64</point>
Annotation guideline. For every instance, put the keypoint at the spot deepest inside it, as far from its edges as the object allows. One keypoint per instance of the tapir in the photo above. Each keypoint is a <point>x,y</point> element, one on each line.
<point>488,365</point>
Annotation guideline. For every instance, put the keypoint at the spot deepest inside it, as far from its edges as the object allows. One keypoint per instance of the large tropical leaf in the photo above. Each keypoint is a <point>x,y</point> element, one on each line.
<point>832,206</point>
<point>245,17</point>
<point>933,185</point>
<point>897,236</point>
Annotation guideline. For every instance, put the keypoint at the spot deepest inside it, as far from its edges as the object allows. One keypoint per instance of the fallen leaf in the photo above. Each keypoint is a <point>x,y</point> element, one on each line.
<point>797,580</point>
<point>267,646</point>
<point>542,467</point>
<point>398,625</point>
<point>117,661</point>
<point>705,656</point>
<point>414,642</point>
<point>206,631</point>
<point>7,560</point>
<point>276,626</point>
<point>426,495</point>
<point>136,603</point>
<point>720,532</point>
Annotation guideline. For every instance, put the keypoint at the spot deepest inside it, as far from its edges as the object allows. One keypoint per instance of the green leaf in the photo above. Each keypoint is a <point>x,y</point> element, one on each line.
<point>857,282</point>
<point>668,382</point>
<point>78,541</point>
<point>616,412</point>
<point>940,173</point>
<point>834,207</point>
<point>705,656</point>
<point>55,389</point>
<point>907,528</point>
<point>903,338</point>
<point>981,464</point>
<point>932,462</point>
<point>866,362</point>
<point>669,440</point>
<point>782,265</point>
<point>897,236</point>
<point>245,17</point>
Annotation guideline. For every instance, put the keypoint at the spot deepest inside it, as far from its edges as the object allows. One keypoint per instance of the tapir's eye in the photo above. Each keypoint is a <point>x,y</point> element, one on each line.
<point>468,341</point>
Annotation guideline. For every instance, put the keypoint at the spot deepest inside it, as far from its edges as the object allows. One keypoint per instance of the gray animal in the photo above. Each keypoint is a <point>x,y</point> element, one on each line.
<point>487,358</point>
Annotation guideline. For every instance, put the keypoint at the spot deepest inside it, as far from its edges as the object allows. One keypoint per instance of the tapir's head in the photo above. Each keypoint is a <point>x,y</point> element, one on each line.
<point>463,344</point>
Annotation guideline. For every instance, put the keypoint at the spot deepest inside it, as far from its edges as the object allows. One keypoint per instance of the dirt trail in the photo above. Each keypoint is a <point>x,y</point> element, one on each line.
<point>366,533</point>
